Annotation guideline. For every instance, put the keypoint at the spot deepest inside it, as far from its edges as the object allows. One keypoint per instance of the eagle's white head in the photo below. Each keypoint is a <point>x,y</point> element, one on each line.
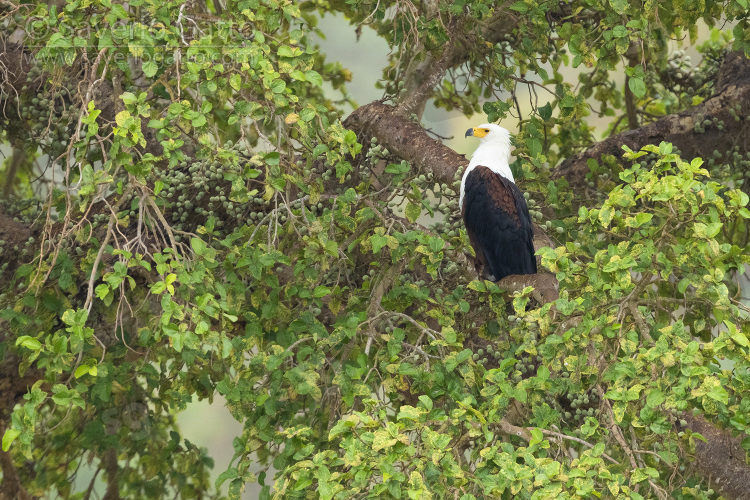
<point>493,152</point>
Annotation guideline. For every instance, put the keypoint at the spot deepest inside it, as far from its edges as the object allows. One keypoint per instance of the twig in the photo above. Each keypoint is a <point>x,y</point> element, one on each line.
<point>513,430</point>
<point>614,428</point>
<point>112,220</point>
<point>577,440</point>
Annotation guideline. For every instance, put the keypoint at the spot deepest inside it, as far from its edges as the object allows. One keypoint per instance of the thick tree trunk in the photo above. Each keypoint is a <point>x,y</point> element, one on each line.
<point>721,459</point>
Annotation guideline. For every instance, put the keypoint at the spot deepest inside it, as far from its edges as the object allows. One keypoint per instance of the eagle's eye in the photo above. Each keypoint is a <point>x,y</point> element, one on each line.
<point>487,130</point>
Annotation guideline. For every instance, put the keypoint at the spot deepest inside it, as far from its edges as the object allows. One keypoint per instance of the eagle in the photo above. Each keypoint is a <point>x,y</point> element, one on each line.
<point>494,210</point>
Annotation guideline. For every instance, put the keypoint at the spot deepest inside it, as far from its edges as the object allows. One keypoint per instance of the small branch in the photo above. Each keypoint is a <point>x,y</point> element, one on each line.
<point>630,109</point>
<point>427,357</point>
<point>90,489</point>
<point>110,228</point>
<point>577,440</point>
<point>642,327</point>
<point>513,430</point>
<point>419,97</point>
<point>614,428</point>
<point>300,341</point>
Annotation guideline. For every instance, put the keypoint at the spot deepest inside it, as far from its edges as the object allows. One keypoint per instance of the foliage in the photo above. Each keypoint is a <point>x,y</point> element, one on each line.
<point>613,333</point>
<point>213,228</point>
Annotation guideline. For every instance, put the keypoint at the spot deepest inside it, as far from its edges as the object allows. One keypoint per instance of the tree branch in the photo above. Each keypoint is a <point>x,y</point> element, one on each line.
<point>406,139</point>
<point>732,91</point>
<point>465,44</point>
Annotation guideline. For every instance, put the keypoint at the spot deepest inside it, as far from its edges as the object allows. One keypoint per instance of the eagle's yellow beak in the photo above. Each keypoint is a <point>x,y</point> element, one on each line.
<point>477,132</point>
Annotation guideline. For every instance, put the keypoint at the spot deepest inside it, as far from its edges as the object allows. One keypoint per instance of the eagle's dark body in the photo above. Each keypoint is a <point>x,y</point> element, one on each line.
<point>498,224</point>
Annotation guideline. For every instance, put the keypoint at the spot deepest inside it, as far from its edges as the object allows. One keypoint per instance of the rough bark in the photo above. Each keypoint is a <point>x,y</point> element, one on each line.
<point>406,139</point>
<point>732,88</point>
<point>721,459</point>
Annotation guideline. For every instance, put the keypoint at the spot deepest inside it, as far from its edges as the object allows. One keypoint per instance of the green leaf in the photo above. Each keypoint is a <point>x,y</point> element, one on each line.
<point>235,81</point>
<point>265,493</point>
<point>83,370</point>
<point>273,158</point>
<point>545,112</point>
<point>409,413</point>
<point>382,440</point>
<point>235,488</point>
<point>314,78</point>
<point>150,68</point>
<point>619,31</point>
<point>378,242</point>
<point>426,401</point>
<point>655,398</point>
<point>637,87</point>
<point>101,290</point>
<point>129,98</point>
<point>9,436</point>
<point>307,114</point>
<point>29,343</point>
<point>397,168</point>
<point>737,336</point>
<point>278,86</point>
<point>285,51</point>
<point>198,121</point>
<point>59,41</point>
<point>230,473</point>
<point>412,211</point>
<point>198,245</point>
<point>535,147</point>
<point>619,5</point>
<point>536,436</point>
<point>463,355</point>
<point>520,7</point>
<point>606,214</point>
<point>712,229</point>
<point>643,217</point>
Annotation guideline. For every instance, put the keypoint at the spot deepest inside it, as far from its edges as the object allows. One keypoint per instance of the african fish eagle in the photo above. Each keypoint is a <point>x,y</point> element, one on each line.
<point>494,210</point>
